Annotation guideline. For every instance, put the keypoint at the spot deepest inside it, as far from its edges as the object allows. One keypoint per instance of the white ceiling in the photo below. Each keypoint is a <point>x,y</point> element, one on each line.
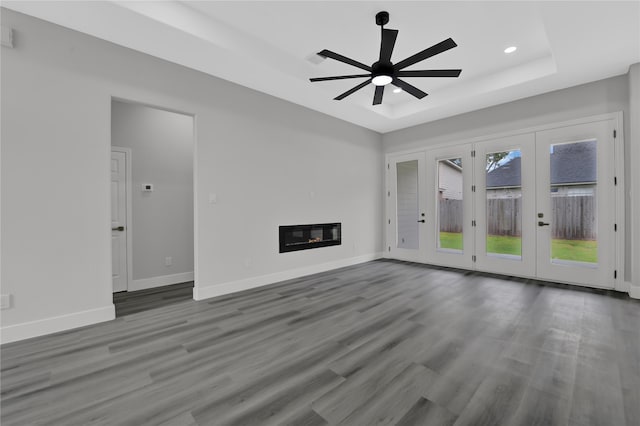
<point>268,46</point>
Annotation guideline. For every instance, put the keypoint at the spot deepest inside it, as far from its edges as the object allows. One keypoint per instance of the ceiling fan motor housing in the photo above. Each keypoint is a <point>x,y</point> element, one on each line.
<point>382,68</point>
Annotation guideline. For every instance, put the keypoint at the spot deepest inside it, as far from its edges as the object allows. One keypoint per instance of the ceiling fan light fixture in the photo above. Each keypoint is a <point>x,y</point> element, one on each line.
<point>383,71</point>
<point>510,49</point>
<point>382,80</point>
<point>397,90</point>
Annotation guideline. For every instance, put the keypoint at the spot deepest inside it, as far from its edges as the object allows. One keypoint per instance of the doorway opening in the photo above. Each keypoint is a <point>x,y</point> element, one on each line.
<point>152,201</point>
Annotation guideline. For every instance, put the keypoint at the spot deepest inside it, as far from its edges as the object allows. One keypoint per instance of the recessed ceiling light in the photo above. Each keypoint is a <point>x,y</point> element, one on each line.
<point>510,49</point>
<point>397,90</point>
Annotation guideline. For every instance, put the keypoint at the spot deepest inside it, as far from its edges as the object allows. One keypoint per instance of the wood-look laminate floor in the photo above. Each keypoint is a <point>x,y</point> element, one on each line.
<point>384,342</point>
<point>132,302</point>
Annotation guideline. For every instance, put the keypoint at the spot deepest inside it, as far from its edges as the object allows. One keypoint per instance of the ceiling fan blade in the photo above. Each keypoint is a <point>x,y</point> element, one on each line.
<point>426,53</point>
<point>329,54</point>
<point>430,73</point>
<point>387,43</point>
<point>377,97</point>
<point>350,91</point>
<point>409,88</point>
<point>339,77</point>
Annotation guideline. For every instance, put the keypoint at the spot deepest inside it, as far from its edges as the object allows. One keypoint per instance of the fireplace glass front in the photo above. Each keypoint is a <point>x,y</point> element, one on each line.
<point>303,237</point>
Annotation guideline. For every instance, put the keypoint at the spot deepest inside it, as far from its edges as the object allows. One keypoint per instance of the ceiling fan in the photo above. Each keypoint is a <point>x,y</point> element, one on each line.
<point>384,71</point>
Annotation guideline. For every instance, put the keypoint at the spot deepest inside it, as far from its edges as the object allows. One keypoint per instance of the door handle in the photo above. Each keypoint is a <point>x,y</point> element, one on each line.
<point>119,228</point>
<point>421,221</point>
<point>541,223</point>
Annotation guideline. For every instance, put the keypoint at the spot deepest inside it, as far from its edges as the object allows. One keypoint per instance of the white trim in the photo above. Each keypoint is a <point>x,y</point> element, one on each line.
<point>634,291</point>
<point>619,214</point>
<point>129,209</point>
<point>196,220</point>
<point>27,330</point>
<point>507,133</point>
<point>205,292</point>
<point>160,281</point>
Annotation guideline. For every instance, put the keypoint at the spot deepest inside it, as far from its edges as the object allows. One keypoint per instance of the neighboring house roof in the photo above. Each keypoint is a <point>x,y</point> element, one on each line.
<point>507,174</point>
<point>570,163</point>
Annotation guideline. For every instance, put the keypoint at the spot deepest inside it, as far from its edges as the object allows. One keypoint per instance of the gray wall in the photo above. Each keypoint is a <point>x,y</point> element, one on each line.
<point>599,97</point>
<point>268,161</point>
<point>162,154</point>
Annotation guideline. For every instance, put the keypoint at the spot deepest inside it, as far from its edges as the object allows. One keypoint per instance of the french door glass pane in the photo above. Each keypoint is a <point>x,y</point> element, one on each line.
<point>407,208</point>
<point>504,204</point>
<point>450,205</point>
<point>574,235</point>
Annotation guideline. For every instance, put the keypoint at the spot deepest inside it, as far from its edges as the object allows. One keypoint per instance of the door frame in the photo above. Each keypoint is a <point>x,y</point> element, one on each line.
<point>620,197</point>
<point>128,208</point>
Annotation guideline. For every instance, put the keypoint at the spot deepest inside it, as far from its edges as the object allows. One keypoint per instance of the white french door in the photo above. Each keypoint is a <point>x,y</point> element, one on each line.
<point>575,204</point>
<point>406,207</point>
<point>449,232</point>
<point>505,205</point>
<point>542,205</point>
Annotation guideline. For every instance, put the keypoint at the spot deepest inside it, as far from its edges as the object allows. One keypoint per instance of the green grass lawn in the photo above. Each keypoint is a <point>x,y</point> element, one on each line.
<point>451,240</point>
<point>576,250</point>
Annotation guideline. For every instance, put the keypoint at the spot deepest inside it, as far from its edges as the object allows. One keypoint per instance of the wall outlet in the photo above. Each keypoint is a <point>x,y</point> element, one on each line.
<point>168,261</point>
<point>147,187</point>
<point>5,301</point>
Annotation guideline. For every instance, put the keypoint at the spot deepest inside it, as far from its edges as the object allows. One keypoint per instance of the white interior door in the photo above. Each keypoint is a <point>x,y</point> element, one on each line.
<point>406,209</point>
<point>576,204</point>
<point>118,221</point>
<point>449,229</point>
<point>505,205</point>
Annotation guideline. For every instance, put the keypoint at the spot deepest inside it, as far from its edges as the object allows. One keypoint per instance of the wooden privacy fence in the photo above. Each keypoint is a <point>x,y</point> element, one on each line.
<point>573,218</point>
<point>504,216</point>
<point>451,215</point>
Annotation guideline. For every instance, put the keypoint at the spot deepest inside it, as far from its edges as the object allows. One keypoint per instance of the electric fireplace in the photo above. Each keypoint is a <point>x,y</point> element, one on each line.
<point>303,237</point>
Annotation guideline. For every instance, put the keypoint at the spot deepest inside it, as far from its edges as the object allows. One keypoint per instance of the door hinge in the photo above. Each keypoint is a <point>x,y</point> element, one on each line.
<point>615,133</point>
<point>388,193</point>
<point>615,227</point>
<point>473,258</point>
<point>389,248</point>
<point>389,221</point>
<point>473,153</point>
<point>388,166</point>
<point>473,188</point>
<point>473,223</point>
<point>615,275</point>
<point>615,181</point>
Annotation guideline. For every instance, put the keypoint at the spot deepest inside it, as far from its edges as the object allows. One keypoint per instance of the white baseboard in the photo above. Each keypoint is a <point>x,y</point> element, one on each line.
<point>201,292</point>
<point>152,282</point>
<point>634,291</point>
<point>27,330</point>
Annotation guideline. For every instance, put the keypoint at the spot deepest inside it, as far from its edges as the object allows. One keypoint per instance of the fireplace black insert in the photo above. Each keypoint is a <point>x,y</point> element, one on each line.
<point>303,237</point>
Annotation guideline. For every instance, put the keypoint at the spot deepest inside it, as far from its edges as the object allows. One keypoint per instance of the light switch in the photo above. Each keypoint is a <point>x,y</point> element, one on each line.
<point>7,37</point>
<point>5,301</point>
<point>147,187</point>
